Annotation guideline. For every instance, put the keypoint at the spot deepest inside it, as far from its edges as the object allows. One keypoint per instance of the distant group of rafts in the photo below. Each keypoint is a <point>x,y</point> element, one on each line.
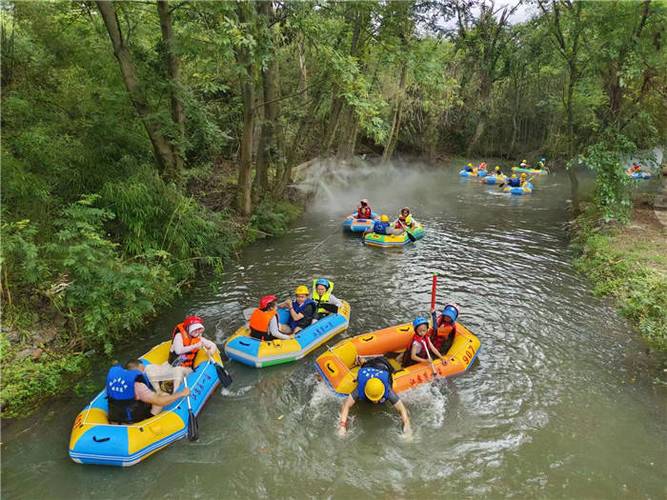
<point>378,231</point>
<point>520,182</point>
<point>635,172</point>
<point>122,426</point>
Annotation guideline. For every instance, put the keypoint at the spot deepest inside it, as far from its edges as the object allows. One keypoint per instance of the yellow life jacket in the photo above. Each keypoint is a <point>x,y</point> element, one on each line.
<point>324,298</point>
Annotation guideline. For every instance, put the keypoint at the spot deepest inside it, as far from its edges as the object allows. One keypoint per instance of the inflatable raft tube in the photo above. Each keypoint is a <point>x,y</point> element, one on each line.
<point>527,188</point>
<point>337,368</point>
<point>253,352</point>
<point>95,441</point>
<point>359,225</point>
<point>465,173</point>
<point>530,171</point>
<point>393,241</point>
<point>640,175</point>
<point>494,179</point>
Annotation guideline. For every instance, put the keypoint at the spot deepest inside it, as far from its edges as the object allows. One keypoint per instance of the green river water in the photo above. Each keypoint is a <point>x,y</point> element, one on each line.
<point>564,402</point>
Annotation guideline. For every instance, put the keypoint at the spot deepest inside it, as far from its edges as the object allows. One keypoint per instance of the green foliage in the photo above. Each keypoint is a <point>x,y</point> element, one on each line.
<point>273,218</point>
<point>640,291</point>
<point>612,194</point>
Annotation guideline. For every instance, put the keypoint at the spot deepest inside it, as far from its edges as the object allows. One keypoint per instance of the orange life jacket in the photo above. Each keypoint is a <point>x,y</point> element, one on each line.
<point>259,321</point>
<point>188,358</point>
<point>443,334</point>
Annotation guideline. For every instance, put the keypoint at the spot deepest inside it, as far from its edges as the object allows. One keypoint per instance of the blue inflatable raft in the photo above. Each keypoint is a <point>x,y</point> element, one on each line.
<point>250,351</point>
<point>359,225</point>
<point>95,441</point>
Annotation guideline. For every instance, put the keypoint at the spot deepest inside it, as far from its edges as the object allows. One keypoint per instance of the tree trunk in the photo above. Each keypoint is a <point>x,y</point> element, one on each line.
<point>484,92</point>
<point>244,182</point>
<point>173,69</point>
<point>398,110</point>
<point>161,147</point>
<point>268,136</point>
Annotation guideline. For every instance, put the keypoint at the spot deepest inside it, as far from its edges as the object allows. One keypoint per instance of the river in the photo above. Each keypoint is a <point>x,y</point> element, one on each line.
<point>564,402</point>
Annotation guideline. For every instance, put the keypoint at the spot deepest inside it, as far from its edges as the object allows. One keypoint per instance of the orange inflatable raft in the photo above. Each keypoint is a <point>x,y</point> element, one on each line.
<point>337,365</point>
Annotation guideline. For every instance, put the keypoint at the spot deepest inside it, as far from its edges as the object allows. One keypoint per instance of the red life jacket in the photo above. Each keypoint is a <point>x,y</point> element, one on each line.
<point>422,341</point>
<point>364,212</point>
<point>189,357</point>
<point>443,334</point>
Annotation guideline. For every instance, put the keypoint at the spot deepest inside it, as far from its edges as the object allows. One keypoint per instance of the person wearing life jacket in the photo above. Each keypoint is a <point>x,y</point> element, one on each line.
<point>420,345</point>
<point>263,323</point>
<point>469,167</point>
<point>404,220</point>
<point>374,385</point>
<point>325,301</point>
<point>130,398</point>
<point>514,181</point>
<point>364,210</point>
<point>524,164</point>
<point>381,226</point>
<point>540,164</point>
<point>186,340</point>
<point>498,172</point>
<point>443,338</point>
<point>482,166</point>
<point>524,178</point>
<point>301,310</point>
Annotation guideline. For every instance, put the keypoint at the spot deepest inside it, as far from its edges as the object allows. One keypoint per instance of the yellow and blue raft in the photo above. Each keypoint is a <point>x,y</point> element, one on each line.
<point>95,441</point>
<point>392,240</point>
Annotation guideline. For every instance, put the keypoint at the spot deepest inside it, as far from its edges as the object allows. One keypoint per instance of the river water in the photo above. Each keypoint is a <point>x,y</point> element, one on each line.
<point>565,401</point>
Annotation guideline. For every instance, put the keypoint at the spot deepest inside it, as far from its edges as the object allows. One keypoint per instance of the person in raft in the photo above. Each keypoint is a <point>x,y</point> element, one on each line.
<point>540,164</point>
<point>325,301</point>
<point>469,168</point>
<point>482,166</point>
<point>498,172</point>
<point>364,210</point>
<point>524,164</point>
<point>374,384</point>
<point>443,339</point>
<point>186,340</point>
<point>524,178</point>
<point>301,310</point>
<point>263,322</point>
<point>513,181</point>
<point>421,344</point>
<point>382,226</point>
<point>404,221</point>
<point>130,396</point>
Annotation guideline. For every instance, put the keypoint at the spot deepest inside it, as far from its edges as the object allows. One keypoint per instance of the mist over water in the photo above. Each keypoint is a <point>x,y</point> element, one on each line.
<point>564,401</point>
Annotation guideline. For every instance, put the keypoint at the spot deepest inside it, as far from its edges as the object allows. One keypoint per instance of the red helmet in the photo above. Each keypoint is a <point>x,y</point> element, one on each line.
<point>266,300</point>
<point>191,320</point>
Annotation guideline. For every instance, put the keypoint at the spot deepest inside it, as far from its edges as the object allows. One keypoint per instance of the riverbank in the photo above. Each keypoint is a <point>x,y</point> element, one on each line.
<point>628,263</point>
<point>47,348</point>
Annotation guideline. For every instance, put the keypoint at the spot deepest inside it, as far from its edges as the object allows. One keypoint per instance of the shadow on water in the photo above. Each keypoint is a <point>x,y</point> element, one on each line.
<point>563,401</point>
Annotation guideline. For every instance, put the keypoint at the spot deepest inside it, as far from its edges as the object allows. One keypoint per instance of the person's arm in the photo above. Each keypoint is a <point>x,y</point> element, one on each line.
<point>148,396</point>
<point>335,301</point>
<point>274,329</point>
<point>179,348</point>
<point>209,345</point>
<point>344,412</point>
<point>402,410</point>
<point>295,315</point>
<point>413,354</point>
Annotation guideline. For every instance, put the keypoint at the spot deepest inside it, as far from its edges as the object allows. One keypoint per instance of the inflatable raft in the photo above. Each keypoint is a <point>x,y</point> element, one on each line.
<point>337,365</point>
<point>640,175</point>
<point>389,241</point>
<point>95,441</point>
<point>494,179</point>
<point>530,171</point>
<point>359,225</point>
<point>527,188</point>
<point>250,351</point>
<point>465,173</point>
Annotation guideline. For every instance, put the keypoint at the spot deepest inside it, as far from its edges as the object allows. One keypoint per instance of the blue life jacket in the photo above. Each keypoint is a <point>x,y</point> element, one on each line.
<point>299,309</point>
<point>123,408</point>
<point>380,227</point>
<point>514,182</point>
<point>368,372</point>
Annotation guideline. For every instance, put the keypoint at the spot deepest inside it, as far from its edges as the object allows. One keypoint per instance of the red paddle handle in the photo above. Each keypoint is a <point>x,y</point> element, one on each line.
<point>435,282</point>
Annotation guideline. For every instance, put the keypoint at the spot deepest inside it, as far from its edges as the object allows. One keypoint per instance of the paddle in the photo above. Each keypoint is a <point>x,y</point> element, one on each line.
<point>193,426</point>
<point>434,318</point>
<point>223,375</point>
<point>410,235</point>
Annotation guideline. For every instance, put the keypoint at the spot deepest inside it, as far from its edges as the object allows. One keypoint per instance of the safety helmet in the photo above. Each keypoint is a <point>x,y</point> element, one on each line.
<point>374,389</point>
<point>418,322</point>
<point>470,164</point>
<point>301,290</point>
<point>513,176</point>
<point>524,161</point>
<point>191,320</point>
<point>498,168</point>
<point>451,311</point>
<point>266,300</point>
<point>324,282</point>
<point>523,175</point>
<point>384,218</point>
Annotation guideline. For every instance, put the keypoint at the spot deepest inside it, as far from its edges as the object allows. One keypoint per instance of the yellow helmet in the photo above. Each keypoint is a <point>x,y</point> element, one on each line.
<point>384,218</point>
<point>374,389</point>
<point>301,290</point>
<point>523,175</point>
<point>470,164</point>
<point>513,176</point>
<point>497,168</point>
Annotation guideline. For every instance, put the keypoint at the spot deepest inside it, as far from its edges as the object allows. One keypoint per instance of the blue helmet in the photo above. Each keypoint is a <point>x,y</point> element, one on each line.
<point>323,281</point>
<point>418,322</point>
<point>451,312</point>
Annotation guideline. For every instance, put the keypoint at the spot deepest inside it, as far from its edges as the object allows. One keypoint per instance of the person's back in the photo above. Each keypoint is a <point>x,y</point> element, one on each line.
<point>124,407</point>
<point>380,227</point>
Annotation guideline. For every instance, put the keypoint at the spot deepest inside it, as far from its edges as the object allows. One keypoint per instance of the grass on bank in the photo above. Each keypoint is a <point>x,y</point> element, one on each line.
<point>629,263</point>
